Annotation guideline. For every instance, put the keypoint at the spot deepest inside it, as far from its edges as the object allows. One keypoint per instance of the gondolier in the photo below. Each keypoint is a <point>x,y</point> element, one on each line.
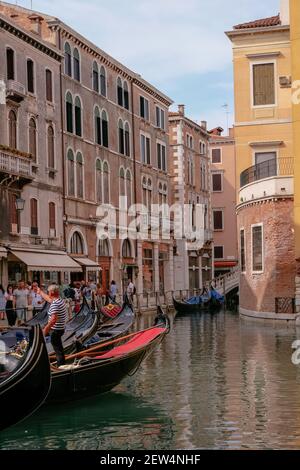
<point>56,323</point>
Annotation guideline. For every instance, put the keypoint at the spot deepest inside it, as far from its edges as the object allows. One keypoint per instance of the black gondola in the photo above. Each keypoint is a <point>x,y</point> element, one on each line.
<point>113,328</point>
<point>24,379</point>
<point>95,371</point>
<point>207,301</point>
<point>41,318</point>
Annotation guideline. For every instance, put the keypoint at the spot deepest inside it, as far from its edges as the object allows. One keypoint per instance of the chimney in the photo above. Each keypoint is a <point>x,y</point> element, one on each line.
<point>204,124</point>
<point>36,23</point>
<point>285,12</point>
<point>181,109</point>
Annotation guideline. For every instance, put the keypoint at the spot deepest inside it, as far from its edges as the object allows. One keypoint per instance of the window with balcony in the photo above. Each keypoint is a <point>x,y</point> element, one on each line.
<point>12,129</point>
<point>218,219</point>
<point>30,76</point>
<point>217,183</point>
<point>263,76</point>
<point>257,248</point>
<point>34,217</point>
<point>216,156</point>
<point>144,108</point>
<point>10,64</point>
<point>219,252</point>
<point>49,89</point>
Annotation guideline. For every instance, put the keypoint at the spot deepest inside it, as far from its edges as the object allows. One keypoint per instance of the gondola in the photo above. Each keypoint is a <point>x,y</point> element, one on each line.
<point>41,318</point>
<point>25,376</point>
<point>116,327</point>
<point>207,301</point>
<point>78,330</point>
<point>96,371</point>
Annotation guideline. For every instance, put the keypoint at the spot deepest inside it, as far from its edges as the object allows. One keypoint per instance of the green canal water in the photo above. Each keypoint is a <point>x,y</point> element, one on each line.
<point>216,382</point>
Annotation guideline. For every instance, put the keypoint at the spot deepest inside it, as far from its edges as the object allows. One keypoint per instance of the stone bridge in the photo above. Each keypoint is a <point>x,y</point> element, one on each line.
<point>226,283</point>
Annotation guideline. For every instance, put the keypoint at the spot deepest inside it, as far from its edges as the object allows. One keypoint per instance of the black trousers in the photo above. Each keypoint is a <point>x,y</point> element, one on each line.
<point>56,342</point>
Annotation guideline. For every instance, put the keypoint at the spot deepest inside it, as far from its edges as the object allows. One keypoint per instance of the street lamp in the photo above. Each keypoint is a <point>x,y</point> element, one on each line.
<point>20,203</point>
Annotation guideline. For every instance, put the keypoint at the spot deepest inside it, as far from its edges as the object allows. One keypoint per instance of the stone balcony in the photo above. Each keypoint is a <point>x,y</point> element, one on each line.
<point>15,91</point>
<point>15,166</point>
<point>268,179</point>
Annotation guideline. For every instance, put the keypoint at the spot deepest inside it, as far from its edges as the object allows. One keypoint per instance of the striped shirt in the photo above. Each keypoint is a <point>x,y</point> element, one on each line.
<point>58,308</point>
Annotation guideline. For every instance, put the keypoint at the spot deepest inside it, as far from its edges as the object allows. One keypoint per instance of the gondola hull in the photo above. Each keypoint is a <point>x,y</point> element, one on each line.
<point>99,376</point>
<point>25,390</point>
<point>206,307</point>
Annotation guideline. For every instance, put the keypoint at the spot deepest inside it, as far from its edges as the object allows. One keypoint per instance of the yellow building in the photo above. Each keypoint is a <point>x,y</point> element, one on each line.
<point>295,47</point>
<point>265,165</point>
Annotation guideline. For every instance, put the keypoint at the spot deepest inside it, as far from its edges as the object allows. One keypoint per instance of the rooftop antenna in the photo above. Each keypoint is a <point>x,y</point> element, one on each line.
<point>226,107</point>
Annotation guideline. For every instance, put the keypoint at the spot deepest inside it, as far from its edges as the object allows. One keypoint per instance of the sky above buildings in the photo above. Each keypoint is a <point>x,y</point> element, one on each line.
<point>178,45</point>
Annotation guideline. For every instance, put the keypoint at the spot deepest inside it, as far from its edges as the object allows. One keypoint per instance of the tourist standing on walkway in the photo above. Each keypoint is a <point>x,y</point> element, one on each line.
<point>9,307</point>
<point>37,300</point>
<point>21,302</point>
<point>113,291</point>
<point>2,303</point>
<point>57,321</point>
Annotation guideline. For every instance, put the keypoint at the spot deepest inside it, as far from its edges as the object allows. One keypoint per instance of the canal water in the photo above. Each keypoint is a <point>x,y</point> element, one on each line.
<point>216,382</point>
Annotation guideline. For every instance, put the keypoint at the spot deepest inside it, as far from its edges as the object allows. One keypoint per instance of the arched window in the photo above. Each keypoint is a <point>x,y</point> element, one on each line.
<point>120,91</point>
<point>76,245</point>
<point>76,59</point>
<point>52,221</point>
<point>69,112</point>
<point>102,81</point>
<point>104,128</point>
<point>126,96</point>
<point>97,126</point>
<point>126,249</point>
<point>68,60</point>
<point>50,141</point>
<point>32,138</point>
<point>34,217</point>
<point>98,180</point>
<point>12,129</point>
<point>103,248</point>
<point>79,175</point>
<point>122,182</point>
<point>95,77</point>
<point>121,137</point>
<point>128,188</point>
<point>71,173</point>
<point>78,127</point>
<point>127,140</point>
<point>106,197</point>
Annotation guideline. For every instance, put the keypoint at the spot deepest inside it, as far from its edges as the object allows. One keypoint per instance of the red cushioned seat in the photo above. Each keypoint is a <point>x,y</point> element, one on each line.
<point>138,340</point>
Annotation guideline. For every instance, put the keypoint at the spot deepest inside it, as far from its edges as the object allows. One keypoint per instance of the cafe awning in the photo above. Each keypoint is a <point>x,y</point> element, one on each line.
<point>3,252</point>
<point>47,260</point>
<point>88,264</point>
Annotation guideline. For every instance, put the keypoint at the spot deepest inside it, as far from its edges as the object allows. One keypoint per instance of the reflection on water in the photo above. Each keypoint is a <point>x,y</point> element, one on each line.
<point>217,381</point>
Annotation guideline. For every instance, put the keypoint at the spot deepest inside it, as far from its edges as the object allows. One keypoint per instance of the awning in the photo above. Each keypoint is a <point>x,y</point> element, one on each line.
<point>3,252</point>
<point>225,264</point>
<point>47,260</point>
<point>88,264</point>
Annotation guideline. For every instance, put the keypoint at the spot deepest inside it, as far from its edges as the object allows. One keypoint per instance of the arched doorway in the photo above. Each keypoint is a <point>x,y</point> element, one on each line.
<point>127,262</point>
<point>77,249</point>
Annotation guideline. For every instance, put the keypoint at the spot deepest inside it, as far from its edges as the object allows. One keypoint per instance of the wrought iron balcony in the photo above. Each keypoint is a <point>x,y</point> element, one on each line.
<point>14,165</point>
<point>274,167</point>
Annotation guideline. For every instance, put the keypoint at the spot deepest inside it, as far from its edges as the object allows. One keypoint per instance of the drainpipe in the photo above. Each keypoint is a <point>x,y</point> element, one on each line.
<point>62,143</point>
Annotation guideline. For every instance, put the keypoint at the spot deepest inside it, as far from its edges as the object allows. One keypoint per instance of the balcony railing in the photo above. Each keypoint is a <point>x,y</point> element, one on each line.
<point>15,165</point>
<point>274,167</point>
<point>15,91</point>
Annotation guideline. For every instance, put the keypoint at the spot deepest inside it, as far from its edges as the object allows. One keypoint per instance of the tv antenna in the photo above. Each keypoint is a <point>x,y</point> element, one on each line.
<point>226,107</point>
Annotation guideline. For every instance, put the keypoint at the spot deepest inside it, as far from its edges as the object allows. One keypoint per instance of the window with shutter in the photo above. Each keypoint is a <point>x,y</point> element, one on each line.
<point>12,129</point>
<point>33,217</point>
<point>218,219</point>
<point>264,84</point>
<point>104,122</point>
<point>49,96</point>
<point>10,64</point>
<point>215,155</point>
<point>50,138</point>
<point>52,225</point>
<point>78,129</point>
<point>217,182</point>
<point>68,60</point>
<point>219,252</point>
<point>69,112</point>
<point>32,138</point>
<point>30,76</point>
<point>76,58</point>
<point>257,248</point>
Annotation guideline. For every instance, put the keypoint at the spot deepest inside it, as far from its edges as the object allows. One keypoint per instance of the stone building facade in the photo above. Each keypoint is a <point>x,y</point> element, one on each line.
<point>189,160</point>
<point>113,140</point>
